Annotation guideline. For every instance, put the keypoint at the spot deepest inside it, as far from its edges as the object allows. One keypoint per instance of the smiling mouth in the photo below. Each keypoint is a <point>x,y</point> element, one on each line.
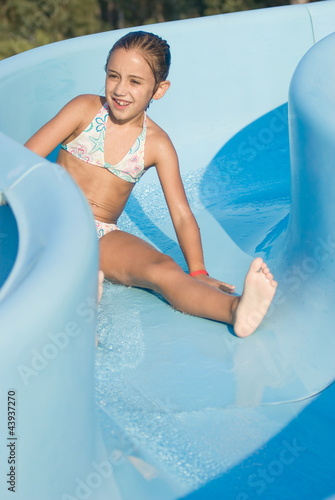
<point>121,104</point>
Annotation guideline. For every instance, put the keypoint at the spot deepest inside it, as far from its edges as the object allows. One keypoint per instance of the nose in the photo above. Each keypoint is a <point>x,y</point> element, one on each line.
<point>120,88</point>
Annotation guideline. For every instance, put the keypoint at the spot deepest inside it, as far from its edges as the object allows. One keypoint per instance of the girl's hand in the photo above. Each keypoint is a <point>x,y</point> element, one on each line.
<point>225,287</point>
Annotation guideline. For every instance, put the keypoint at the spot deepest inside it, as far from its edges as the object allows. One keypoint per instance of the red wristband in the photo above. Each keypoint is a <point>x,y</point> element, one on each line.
<point>201,271</point>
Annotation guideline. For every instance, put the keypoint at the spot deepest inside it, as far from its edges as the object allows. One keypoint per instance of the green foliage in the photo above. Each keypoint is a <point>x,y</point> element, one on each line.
<point>224,7</point>
<point>25,24</point>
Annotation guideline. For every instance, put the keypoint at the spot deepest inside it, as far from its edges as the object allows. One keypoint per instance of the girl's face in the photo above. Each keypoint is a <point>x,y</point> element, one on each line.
<point>130,84</point>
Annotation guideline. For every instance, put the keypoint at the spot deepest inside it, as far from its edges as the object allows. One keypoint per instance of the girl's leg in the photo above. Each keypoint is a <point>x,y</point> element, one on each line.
<point>128,260</point>
<point>100,284</point>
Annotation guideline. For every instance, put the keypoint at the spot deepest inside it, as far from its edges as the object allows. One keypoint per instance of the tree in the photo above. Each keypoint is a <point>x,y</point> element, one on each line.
<point>25,24</point>
<point>29,23</point>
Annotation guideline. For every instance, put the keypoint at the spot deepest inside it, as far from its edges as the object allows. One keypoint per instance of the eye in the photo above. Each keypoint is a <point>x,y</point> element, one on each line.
<point>136,82</point>
<point>113,76</point>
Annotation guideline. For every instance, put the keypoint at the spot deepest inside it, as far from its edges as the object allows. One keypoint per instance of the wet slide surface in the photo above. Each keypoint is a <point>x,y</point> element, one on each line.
<point>186,409</point>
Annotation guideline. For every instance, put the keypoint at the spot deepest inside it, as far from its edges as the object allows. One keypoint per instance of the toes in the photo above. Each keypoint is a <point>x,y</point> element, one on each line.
<point>267,272</point>
<point>257,264</point>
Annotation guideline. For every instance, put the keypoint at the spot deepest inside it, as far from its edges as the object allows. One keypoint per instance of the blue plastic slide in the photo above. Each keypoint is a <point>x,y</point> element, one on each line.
<point>169,406</point>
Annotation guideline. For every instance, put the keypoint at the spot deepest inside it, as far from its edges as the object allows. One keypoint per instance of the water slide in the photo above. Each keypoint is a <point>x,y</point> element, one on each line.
<point>168,406</point>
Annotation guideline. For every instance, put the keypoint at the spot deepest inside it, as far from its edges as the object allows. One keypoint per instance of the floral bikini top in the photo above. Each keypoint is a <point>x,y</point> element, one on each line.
<point>89,147</point>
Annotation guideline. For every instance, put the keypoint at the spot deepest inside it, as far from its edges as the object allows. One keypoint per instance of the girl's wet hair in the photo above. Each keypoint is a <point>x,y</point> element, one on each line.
<point>154,49</point>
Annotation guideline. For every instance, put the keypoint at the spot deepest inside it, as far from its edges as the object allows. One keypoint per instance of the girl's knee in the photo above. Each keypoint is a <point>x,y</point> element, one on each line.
<point>163,269</point>
<point>166,263</point>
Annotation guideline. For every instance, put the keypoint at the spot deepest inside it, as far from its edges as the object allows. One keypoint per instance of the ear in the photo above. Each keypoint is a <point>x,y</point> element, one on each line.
<point>161,89</point>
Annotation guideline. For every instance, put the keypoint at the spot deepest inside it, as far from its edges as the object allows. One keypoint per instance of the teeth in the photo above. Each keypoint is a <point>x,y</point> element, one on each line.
<point>121,103</point>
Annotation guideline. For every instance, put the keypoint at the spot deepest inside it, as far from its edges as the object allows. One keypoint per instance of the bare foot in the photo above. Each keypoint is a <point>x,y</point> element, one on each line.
<point>100,284</point>
<point>258,292</point>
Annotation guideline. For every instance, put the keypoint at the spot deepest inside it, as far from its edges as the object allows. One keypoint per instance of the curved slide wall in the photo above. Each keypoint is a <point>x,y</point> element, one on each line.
<point>230,86</point>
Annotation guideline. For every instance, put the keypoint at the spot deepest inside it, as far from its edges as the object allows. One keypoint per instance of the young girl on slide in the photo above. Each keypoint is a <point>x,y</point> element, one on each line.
<point>108,143</point>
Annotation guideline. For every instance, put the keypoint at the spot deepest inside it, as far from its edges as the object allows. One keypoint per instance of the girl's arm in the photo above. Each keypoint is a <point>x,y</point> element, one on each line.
<point>59,128</point>
<point>184,222</point>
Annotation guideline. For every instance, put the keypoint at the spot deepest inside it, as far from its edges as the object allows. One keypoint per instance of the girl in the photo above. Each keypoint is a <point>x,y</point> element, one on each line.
<point>107,144</point>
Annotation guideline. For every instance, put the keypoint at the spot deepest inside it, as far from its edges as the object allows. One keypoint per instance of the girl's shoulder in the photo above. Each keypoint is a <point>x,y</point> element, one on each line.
<point>159,147</point>
<point>156,134</point>
<point>85,103</point>
<point>81,110</point>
